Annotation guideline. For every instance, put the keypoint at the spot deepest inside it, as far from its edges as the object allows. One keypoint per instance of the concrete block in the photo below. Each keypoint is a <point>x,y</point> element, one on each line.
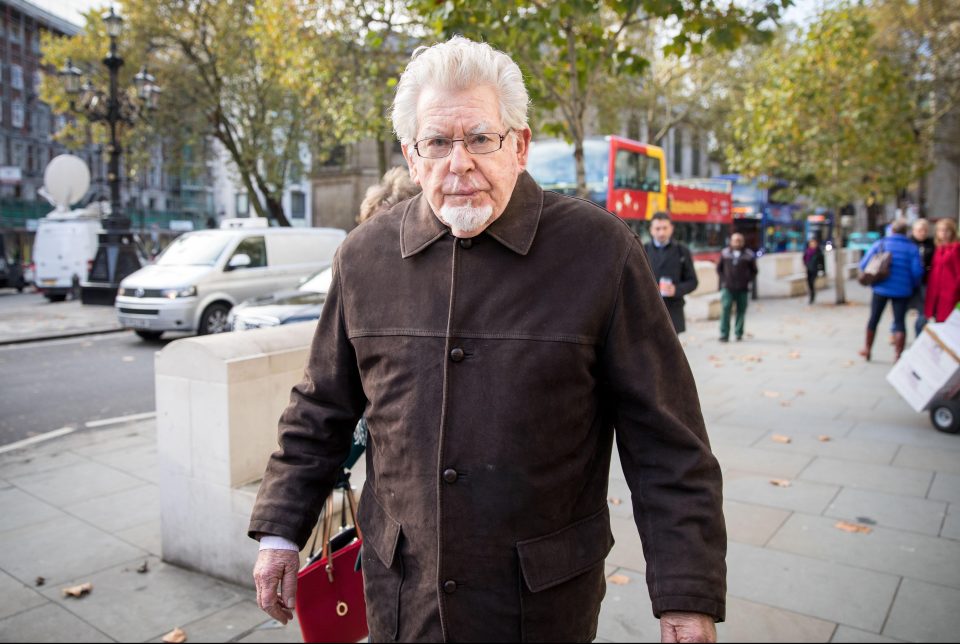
<point>925,458</point>
<point>749,621</point>
<point>59,625</point>
<point>154,603</point>
<point>801,496</point>
<point>61,550</point>
<point>883,478</point>
<point>856,636</point>
<point>209,432</point>
<point>750,523</point>
<point>74,483</point>
<point>17,597</point>
<point>924,613</point>
<point>946,487</point>
<point>19,510</point>
<point>174,424</point>
<point>827,591</point>
<point>116,512</point>
<point>767,462</point>
<point>889,510</point>
<point>895,552</point>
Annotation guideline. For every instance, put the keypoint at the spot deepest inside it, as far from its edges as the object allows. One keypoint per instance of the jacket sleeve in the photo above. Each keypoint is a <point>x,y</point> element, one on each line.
<point>674,479</point>
<point>315,431</point>
<point>916,269</point>
<point>688,274</point>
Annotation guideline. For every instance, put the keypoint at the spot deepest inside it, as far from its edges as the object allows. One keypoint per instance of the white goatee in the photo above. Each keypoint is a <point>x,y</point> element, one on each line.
<point>467,219</point>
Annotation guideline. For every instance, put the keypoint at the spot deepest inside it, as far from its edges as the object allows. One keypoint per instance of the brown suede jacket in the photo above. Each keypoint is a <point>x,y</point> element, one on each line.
<point>492,373</point>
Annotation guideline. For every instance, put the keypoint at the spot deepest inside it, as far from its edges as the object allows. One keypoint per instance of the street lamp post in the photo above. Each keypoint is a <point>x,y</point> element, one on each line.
<point>117,255</point>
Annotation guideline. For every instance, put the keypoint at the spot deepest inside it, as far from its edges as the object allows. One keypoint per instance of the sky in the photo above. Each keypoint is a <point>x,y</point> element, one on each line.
<point>73,10</point>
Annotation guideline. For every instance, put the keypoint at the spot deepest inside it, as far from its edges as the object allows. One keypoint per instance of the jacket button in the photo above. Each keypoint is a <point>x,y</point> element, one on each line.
<point>457,354</point>
<point>450,476</point>
<point>450,587</point>
<point>466,243</point>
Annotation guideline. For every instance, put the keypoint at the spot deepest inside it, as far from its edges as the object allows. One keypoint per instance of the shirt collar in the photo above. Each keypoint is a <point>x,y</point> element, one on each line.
<point>515,228</point>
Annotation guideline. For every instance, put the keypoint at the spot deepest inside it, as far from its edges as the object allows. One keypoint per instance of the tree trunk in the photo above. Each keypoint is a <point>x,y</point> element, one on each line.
<point>275,208</point>
<point>381,154</point>
<point>581,168</point>
<point>840,278</point>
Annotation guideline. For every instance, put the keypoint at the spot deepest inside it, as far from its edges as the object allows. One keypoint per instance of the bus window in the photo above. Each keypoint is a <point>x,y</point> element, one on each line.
<point>636,171</point>
<point>650,171</point>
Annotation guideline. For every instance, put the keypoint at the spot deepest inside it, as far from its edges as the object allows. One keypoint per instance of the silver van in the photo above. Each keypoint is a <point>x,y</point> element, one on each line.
<point>198,278</point>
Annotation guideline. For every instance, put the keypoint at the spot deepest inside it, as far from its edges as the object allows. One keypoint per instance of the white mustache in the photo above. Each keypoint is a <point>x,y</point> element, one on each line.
<point>461,184</point>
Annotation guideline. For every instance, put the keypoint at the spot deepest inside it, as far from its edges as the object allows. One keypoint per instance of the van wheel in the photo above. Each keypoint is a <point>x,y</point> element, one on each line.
<point>151,336</point>
<point>214,319</point>
<point>56,297</point>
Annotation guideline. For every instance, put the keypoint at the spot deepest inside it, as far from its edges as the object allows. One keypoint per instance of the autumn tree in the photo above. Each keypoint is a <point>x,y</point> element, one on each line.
<point>570,50</point>
<point>829,114</point>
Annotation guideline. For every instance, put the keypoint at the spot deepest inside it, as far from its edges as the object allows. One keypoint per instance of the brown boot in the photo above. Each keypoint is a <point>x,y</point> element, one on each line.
<point>868,347</point>
<point>899,339</point>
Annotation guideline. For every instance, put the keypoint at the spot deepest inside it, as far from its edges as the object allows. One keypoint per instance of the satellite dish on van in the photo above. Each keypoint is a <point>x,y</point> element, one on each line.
<point>66,180</point>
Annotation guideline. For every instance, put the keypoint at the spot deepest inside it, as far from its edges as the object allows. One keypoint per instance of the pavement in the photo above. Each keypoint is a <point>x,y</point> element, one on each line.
<point>30,317</point>
<point>84,508</point>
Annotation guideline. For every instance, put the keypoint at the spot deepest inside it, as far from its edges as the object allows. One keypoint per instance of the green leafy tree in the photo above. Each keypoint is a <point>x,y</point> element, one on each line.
<point>571,50</point>
<point>831,115</point>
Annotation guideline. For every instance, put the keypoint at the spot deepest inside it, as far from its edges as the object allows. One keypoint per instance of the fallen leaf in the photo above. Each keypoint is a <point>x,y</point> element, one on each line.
<point>846,526</point>
<point>714,358</point>
<point>614,501</point>
<point>772,394</point>
<point>145,567</point>
<point>801,392</point>
<point>751,359</point>
<point>823,438</point>
<point>780,438</point>
<point>619,580</point>
<point>176,636</point>
<point>780,482</point>
<point>78,591</point>
<point>128,358</point>
<point>848,363</point>
<point>785,403</point>
<point>40,581</point>
<point>794,355</point>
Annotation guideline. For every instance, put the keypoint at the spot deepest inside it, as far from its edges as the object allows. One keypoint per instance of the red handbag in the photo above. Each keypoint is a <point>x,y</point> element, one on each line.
<point>330,602</point>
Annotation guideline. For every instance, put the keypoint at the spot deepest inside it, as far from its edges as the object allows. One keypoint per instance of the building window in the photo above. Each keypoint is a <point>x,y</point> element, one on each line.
<point>677,151</point>
<point>35,42</point>
<point>16,114</point>
<point>243,204</point>
<point>37,80</point>
<point>60,122</point>
<point>298,205</point>
<point>16,76</point>
<point>15,33</point>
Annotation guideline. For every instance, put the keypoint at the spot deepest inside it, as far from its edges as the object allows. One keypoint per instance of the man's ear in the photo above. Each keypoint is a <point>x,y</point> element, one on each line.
<point>411,164</point>
<point>523,146</point>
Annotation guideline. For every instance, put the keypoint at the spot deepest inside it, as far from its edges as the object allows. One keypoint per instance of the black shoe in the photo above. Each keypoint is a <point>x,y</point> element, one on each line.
<point>739,338</point>
<point>723,339</point>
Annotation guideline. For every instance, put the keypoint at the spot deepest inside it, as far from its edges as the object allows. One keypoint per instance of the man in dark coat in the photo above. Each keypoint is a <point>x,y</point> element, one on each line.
<point>493,335</point>
<point>672,267</point>
<point>737,268</point>
<point>920,235</point>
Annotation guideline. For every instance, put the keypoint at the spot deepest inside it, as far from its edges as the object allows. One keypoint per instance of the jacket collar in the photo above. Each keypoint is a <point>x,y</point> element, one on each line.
<point>515,228</point>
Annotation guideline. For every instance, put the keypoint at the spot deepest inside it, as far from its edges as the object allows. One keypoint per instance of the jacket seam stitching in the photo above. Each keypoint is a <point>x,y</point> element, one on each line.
<point>573,339</point>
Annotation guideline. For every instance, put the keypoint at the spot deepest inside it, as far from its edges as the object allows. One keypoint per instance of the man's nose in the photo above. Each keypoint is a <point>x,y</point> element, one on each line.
<point>461,161</point>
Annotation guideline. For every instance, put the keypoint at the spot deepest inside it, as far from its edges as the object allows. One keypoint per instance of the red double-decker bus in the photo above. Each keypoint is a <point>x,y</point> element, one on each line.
<point>629,179</point>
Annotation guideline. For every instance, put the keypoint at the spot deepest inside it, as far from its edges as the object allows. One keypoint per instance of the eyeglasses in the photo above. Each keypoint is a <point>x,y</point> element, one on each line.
<point>437,147</point>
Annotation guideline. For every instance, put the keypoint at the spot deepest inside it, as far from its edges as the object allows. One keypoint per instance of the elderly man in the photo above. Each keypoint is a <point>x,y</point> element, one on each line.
<point>494,335</point>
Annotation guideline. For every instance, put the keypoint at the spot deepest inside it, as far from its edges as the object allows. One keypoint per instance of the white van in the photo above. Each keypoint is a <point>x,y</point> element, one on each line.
<point>201,275</point>
<point>63,250</point>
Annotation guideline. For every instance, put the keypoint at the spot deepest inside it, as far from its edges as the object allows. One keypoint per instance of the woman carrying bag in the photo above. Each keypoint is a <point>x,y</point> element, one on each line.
<point>904,273</point>
<point>943,287</point>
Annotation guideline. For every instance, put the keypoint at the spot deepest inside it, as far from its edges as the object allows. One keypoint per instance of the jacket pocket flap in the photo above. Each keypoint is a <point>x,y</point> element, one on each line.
<point>380,531</point>
<point>555,558</point>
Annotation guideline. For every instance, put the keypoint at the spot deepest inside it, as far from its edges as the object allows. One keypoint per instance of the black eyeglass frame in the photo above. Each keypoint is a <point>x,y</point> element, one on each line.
<point>464,141</point>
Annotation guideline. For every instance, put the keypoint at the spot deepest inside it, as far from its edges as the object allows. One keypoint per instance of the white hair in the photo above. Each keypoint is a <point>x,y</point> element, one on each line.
<point>459,64</point>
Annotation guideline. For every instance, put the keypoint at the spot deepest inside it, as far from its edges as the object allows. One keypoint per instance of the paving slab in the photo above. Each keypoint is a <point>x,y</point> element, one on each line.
<point>889,510</point>
<point>275,633</point>
<point>137,461</point>
<point>626,614</point>
<point>751,523</point>
<point>61,550</point>
<point>767,462</point>
<point>49,623</point>
<point>74,483</point>
<point>34,461</point>
<point>856,636</point>
<point>897,552</point>
<point>146,536</point>
<point>119,511</point>
<point>749,621</point>
<point>951,524</point>
<point>17,597</point>
<point>924,613</point>
<point>733,434</point>
<point>919,433</point>
<point>20,509</point>
<point>848,449</point>
<point>153,603</point>
<point>627,550</point>
<point>618,499</point>
<point>225,625</point>
<point>882,478</point>
<point>828,591</point>
<point>926,458</point>
<point>118,445</point>
<point>946,487</point>
<point>801,496</point>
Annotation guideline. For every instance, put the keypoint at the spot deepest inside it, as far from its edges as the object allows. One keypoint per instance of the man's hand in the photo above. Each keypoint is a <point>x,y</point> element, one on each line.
<point>276,570</point>
<point>687,627</point>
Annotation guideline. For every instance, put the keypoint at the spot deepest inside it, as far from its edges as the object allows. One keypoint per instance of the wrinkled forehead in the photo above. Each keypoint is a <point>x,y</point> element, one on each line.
<point>443,112</point>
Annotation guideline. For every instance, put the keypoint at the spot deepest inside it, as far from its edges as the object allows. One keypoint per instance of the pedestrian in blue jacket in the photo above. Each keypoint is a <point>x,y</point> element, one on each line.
<point>906,270</point>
